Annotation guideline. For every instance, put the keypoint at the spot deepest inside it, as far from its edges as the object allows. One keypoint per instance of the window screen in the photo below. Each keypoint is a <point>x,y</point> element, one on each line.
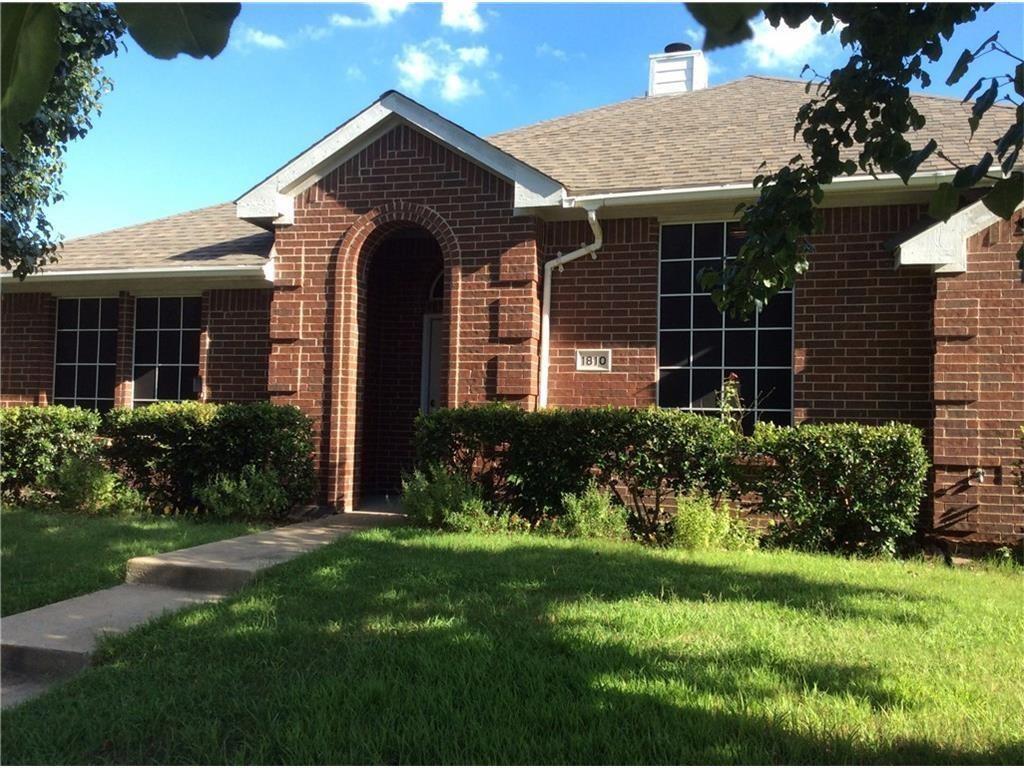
<point>166,348</point>
<point>698,346</point>
<point>85,354</point>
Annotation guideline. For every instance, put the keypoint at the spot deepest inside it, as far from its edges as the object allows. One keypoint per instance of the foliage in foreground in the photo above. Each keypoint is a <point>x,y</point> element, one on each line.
<point>861,119</point>
<point>406,647</point>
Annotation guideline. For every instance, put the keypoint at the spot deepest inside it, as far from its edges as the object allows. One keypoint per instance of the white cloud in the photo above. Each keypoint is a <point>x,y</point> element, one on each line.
<point>461,14</point>
<point>452,71</point>
<point>382,12</point>
<point>477,55</point>
<point>695,35</point>
<point>783,47</point>
<point>310,32</point>
<point>355,73</point>
<point>546,49</point>
<point>249,37</point>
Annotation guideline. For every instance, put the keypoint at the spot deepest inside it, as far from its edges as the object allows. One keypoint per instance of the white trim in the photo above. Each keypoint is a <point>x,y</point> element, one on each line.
<point>428,318</point>
<point>246,270</point>
<point>272,199</point>
<point>843,184</point>
<point>943,247</point>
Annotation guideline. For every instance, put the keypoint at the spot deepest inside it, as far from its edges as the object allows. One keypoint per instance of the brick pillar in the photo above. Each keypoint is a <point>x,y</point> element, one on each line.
<point>124,379</point>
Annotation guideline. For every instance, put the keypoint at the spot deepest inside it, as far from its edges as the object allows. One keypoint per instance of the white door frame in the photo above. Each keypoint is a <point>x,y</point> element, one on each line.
<point>425,360</point>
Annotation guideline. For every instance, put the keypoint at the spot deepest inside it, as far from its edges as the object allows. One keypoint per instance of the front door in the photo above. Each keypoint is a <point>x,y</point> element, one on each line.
<point>430,372</point>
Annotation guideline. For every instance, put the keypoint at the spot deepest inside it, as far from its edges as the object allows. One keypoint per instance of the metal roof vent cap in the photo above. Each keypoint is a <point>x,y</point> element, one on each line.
<point>679,69</point>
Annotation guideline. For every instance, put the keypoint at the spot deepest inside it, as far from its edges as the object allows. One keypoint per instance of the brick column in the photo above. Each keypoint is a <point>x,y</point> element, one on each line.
<point>124,379</point>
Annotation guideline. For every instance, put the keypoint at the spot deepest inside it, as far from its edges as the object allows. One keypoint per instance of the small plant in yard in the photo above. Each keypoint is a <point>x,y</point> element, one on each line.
<point>591,514</point>
<point>86,486</point>
<point>252,494</point>
<point>700,523</point>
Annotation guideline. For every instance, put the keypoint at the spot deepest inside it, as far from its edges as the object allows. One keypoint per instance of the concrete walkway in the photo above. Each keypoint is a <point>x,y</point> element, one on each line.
<point>45,645</point>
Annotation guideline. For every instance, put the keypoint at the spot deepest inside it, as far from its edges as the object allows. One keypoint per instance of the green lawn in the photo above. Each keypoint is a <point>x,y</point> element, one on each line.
<point>408,647</point>
<point>51,556</point>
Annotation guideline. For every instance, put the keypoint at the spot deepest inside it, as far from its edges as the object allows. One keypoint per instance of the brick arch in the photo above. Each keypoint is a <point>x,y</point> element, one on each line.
<point>355,252</point>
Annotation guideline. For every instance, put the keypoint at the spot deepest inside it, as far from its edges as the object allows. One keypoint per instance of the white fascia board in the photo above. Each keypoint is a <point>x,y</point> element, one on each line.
<point>944,245</point>
<point>880,183</point>
<point>273,198</point>
<point>152,273</point>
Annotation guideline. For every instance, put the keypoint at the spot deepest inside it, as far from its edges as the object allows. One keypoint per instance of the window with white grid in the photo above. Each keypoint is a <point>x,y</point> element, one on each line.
<point>166,348</point>
<point>698,346</point>
<point>85,353</point>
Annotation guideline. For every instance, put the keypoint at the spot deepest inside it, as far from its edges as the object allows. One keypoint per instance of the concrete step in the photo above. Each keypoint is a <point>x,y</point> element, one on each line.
<point>225,566</point>
<point>59,639</point>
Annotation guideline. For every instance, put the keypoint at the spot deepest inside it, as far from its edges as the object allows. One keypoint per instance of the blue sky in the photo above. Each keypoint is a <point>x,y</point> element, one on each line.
<point>182,134</point>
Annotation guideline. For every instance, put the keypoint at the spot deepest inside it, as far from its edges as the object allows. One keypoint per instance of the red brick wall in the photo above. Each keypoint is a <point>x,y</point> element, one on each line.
<point>318,312</point>
<point>979,391</point>
<point>27,328</point>
<point>235,344</point>
<point>863,329</point>
<point>399,281</point>
<point>608,302</point>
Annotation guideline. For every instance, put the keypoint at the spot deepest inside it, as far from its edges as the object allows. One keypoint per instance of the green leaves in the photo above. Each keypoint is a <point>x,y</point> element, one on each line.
<point>944,202</point>
<point>969,175</point>
<point>1005,195</point>
<point>724,23</point>
<point>908,166</point>
<point>960,68</point>
<point>164,30</point>
<point>29,55</point>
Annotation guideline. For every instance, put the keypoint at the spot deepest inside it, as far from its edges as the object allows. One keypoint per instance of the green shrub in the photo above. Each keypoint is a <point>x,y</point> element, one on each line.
<point>430,496</point>
<point>86,486</point>
<point>700,523</point>
<point>159,449</point>
<point>35,441</point>
<point>528,460</point>
<point>171,450</point>
<point>275,438</point>
<point>590,515</point>
<point>841,487</point>
<point>253,494</point>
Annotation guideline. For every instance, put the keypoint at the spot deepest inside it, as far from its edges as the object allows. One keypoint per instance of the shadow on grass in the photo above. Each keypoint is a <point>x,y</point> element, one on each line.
<point>402,648</point>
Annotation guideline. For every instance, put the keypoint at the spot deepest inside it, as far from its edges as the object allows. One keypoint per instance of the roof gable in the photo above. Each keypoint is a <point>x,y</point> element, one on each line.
<point>273,198</point>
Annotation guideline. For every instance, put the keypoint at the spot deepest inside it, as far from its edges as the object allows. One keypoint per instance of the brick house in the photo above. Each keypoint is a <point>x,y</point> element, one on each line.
<point>402,263</point>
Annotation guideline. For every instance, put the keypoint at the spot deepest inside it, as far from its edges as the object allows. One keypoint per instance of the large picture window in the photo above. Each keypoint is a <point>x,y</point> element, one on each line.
<point>85,356</point>
<point>166,348</point>
<point>698,346</point>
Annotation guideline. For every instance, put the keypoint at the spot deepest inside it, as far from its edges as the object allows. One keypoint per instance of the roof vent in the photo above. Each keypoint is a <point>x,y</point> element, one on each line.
<point>679,69</point>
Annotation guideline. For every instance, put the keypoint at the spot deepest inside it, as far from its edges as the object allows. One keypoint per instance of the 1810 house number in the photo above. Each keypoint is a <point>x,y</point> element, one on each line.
<point>593,359</point>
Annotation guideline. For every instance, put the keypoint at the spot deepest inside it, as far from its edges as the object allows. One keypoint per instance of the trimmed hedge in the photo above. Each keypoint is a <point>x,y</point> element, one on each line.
<point>528,460</point>
<point>837,487</point>
<point>171,450</point>
<point>845,488</point>
<point>36,440</point>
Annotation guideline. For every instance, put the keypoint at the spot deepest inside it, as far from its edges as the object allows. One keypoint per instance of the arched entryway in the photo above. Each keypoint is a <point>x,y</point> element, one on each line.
<point>403,336</point>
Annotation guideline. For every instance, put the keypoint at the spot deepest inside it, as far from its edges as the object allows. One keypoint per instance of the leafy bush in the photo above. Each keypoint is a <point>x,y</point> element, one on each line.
<point>171,450</point>
<point>841,487</point>
<point>528,460</point>
<point>37,440</point>
<point>86,486</point>
<point>253,494</point>
<point>590,515</point>
<point>700,523</point>
<point>432,495</point>
<point>159,449</point>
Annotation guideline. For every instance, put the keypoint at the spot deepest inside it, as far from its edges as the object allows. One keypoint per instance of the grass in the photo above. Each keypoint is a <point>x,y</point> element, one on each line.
<point>404,646</point>
<point>51,556</point>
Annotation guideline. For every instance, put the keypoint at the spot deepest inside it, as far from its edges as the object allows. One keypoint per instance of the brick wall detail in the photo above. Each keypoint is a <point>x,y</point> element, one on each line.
<point>235,345</point>
<point>27,326</point>
<point>979,391</point>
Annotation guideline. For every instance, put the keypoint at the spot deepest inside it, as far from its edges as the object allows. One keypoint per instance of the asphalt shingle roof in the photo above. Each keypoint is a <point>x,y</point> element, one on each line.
<point>213,236</point>
<point>718,135</point>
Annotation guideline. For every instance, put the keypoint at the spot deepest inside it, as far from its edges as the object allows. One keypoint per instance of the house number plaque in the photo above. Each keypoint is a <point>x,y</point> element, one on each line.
<point>593,359</point>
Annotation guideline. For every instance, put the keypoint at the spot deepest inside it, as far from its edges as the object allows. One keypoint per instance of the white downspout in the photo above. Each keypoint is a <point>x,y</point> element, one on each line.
<point>545,311</point>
